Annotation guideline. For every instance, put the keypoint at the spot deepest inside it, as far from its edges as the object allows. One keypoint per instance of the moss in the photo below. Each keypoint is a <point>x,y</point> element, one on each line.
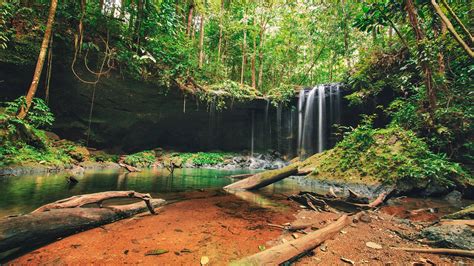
<point>389,156</point>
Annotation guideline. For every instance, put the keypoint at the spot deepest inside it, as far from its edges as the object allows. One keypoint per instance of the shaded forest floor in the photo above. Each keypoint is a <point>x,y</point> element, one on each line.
<point>224,228</point>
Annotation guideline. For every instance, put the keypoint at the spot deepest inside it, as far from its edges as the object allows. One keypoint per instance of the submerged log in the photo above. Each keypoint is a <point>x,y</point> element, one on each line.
<point>294,248</point>
<point>129,167</point>
<point>48,224</point>
<point>264,179</point>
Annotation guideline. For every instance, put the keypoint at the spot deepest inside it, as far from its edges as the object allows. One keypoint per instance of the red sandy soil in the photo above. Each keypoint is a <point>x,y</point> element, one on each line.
<point>225,228</point>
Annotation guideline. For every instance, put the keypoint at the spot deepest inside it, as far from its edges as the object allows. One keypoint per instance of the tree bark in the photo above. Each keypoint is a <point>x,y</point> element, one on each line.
<point>45,226</point>
<point>428,79</point>
<point>40,62</point>
<point>201,41</point>
<point>291,249</point>
<point>264,179</point>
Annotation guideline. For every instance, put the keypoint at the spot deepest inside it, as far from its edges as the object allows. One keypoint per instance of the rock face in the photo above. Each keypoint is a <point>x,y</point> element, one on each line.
<point>451,236</point>
<point>129,115</point>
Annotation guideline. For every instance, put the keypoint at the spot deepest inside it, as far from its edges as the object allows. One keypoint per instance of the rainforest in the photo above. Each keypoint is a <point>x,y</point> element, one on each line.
<point>231,132</point>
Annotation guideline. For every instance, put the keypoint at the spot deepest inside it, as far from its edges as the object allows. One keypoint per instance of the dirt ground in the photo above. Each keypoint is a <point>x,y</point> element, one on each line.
<point>223,228</point>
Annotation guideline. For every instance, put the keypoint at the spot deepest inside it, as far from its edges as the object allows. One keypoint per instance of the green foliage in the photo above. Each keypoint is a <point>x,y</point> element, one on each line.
<point>141,159</point>
<point>39,114</point>
<point>204,158</point>
<point>390,155</point>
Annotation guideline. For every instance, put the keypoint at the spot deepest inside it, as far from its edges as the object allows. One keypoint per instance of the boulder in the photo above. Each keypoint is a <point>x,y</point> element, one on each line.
<point>450,236</point>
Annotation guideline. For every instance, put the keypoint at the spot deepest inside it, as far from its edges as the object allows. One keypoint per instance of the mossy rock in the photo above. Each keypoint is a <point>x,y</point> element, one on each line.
<point>389,156</point>
<point>465,214</point>
<point>79,153</point>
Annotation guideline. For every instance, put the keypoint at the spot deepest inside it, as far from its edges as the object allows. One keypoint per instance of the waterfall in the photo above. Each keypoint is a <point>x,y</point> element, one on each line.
<point>308,125</point>
<point>321,118</point>
<point>301,101</point>
<point>252,134</point>
<point>278,129</point>
<point>315,118</point>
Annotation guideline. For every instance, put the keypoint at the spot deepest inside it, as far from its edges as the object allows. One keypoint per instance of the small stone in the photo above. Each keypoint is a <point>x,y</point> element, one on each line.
<point>343,232</point>
<point>155,252</point>
<point>323,248</point>
<point>294,235</point>
<point>373,245</point>
<point>365,218</point>
<point>346,260</point>
<point>204,260</point>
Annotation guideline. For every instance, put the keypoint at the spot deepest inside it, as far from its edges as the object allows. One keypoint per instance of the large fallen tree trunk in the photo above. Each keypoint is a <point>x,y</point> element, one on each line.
<point>293,249</point>
<point>47,224</point>
<point>264,179</point>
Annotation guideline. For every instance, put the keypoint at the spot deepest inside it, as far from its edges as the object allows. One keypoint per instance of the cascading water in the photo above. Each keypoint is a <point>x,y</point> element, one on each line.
<point>321,118</point>
<point>308,125</point>
<point>301,100</point>
<point>314,123</point>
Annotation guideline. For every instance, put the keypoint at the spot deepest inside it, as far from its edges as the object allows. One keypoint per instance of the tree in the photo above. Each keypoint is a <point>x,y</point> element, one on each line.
<point>40,62</point>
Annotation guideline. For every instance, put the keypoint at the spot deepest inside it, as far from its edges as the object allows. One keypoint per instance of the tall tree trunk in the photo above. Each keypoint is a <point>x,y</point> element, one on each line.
<point>190,20</point>
<point>242,70</point>
<point>428,75</point>
<point>346,35</point>
<point>39,64</point>
<point>219,45</point>
<point>254,55</point>
<point>201,42</point>
<point>138,22</point>
<point>260,57</point>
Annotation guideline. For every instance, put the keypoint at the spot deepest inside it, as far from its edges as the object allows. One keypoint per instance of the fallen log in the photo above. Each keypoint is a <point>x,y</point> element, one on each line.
<point>457,222</point>
<point>128,167</point>
<point>445,251</point>
<point>356,198</point>
<point>98,198</point>
<point>294,248</point>
<point>42,227</point>
<point>241,176</point>
<point>264,179</point>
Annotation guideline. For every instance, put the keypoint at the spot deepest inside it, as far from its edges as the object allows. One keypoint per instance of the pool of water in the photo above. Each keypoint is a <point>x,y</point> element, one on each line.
<point>22,194</point>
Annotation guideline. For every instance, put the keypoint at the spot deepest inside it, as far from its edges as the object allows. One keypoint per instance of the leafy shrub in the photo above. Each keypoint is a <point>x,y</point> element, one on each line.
<point>39,114</point>
<point>141,159</point>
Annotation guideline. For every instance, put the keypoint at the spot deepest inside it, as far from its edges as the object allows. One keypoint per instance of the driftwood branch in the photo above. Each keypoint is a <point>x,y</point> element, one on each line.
<point>97,198</point>
<point>292,249</point>
<point>446,251</point>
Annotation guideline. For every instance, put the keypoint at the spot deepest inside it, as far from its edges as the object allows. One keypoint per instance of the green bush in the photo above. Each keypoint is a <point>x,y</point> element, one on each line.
<point>39,114</point>
<point>141,159</point>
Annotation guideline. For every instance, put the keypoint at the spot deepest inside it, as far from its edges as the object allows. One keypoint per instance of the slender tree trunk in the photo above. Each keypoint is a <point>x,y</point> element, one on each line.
<point>254,56</point>
<point>190,20</point>
<point>39,64</point>
<point>428,76</point>
<point>201,42</point>
<point>219,45</point>
<point>346,36</point>
<point>452,30</point>
<point>260,57</point>
<point>244,45</point>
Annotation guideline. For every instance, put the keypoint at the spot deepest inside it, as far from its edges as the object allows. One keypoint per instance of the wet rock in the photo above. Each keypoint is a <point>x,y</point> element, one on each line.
<point>454,196</point>
<point>450,236</point>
